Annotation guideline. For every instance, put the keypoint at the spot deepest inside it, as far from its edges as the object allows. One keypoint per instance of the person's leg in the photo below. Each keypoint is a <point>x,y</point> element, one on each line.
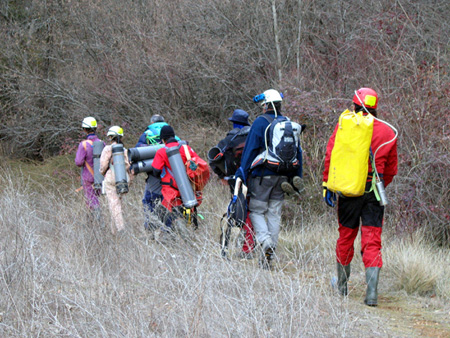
<point>110,191</point>
<point>349,210</point>
<point>273,214</point>
<point>258,205</point>
<point>371,246</point>
<point>115,207</point>
<point>372,226</point>
<point>345,245</point>
<point>91,196</point>
<point>150,203</point>
<point>257,217</point>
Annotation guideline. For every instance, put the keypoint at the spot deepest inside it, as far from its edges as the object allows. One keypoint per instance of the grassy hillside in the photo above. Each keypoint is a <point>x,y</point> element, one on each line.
<point>63,277</point>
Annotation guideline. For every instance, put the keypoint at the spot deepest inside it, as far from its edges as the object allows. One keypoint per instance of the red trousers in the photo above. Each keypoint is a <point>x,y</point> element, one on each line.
<point>353,211</point>
<point>370,245</point>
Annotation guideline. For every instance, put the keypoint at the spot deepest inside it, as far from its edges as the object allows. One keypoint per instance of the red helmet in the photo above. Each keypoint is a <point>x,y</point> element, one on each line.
<point>366,97</point>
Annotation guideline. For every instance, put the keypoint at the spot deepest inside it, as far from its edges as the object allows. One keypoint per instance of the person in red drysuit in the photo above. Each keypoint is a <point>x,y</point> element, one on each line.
<point>364,210</point>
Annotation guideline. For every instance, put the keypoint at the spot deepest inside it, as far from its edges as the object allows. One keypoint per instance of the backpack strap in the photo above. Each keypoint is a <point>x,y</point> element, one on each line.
<point>186,152</point>
<point>269,119</point>
<point>85,163</point>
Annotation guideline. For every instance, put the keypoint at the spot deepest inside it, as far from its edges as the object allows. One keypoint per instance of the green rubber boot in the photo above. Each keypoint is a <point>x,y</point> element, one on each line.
<point>343,272</point>
<point>372,275</point>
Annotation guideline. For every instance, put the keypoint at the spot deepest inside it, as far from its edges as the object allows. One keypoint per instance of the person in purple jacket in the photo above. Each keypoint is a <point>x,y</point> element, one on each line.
<point>84,159</point>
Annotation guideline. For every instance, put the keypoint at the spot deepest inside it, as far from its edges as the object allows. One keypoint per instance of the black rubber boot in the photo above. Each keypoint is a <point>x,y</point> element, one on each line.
<point>372,275</point>
<point>343,272</point>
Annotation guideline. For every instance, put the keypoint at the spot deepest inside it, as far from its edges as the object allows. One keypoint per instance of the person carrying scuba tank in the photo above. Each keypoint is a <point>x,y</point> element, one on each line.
<point>264,174</point>
<point>360,136</point>
<point>174,190</point>
<point>225,159</point>
<point>114,185</point>
<point>151,134</point>
<point>152,192</point>
<point>85,159</point>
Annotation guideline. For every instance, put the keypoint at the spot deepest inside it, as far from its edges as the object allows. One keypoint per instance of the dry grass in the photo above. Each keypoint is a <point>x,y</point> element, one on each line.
<point>417,268</point>
<point>62,277</point>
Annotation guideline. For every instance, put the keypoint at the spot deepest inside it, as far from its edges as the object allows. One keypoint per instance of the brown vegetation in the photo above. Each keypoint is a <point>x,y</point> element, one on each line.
<point>194,61</point>
<point>61,276</point>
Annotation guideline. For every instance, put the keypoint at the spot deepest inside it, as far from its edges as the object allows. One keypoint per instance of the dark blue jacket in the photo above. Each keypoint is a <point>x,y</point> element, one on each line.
<point>254,145</point>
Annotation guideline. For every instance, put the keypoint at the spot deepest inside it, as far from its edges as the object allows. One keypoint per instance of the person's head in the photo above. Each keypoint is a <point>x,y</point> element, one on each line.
<point>89,125</point>
<point>156,118</point>
<point>270,100</point>
<point>166,133</point>
<point>239,118</point>
<point>115,134</point>
<point>365,99</point>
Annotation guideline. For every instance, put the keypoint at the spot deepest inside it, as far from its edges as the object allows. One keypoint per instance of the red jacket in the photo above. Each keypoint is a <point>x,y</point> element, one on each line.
<point>386,157</point>
<point>169,189</point>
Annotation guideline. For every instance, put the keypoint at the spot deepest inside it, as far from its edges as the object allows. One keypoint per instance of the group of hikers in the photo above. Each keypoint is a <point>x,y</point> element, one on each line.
<point>264,158</point>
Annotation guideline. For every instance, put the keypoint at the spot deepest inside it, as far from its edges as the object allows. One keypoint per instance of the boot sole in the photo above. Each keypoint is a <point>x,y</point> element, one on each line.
<point>298,183</point>
<point>287,188</point>
<point>372,304</point>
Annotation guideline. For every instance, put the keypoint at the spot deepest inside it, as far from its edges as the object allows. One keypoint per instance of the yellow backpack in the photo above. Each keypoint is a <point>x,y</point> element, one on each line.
<point>350,155</point>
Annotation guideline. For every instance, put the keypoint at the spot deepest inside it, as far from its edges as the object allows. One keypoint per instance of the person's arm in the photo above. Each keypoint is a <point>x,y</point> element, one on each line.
<point>105,158</point>
<point>142,142</point>
<point>128,165</point>
<point>253,143</point>
<point>300,159</point>
<point>80,157</point>
<point>328,196</point>
<point>390,169</point>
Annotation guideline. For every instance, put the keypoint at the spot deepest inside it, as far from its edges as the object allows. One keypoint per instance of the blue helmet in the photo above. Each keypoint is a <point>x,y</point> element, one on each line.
<point>240,116</point>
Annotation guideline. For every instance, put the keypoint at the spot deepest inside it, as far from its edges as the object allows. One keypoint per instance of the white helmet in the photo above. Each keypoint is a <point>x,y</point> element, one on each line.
<point>115,131</point>
<point>89,123</point>
<point>270,95</point>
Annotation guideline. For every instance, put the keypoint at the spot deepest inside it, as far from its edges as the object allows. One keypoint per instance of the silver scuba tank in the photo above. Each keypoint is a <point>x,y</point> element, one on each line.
<point>381,192</point>
<point>144,166</point>
<point>143,153</point>
<point>181,178</point>
<point>120,172</point>
<point>97,148</point>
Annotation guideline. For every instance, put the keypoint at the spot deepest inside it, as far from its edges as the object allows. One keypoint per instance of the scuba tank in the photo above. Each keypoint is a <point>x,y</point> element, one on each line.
<point>97,148</point>
<point>181,178</point>
<point>144,166</point>
<point>143,153</point>
<point>120,172</point>
<point>381,192</point>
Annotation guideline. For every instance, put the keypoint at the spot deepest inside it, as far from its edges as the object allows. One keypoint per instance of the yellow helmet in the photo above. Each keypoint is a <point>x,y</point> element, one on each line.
<point>115,131</point>
<point>89,123</point>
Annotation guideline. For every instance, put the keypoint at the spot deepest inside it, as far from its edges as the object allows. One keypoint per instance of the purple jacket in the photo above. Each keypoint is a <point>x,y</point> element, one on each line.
<point>84,158</point>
